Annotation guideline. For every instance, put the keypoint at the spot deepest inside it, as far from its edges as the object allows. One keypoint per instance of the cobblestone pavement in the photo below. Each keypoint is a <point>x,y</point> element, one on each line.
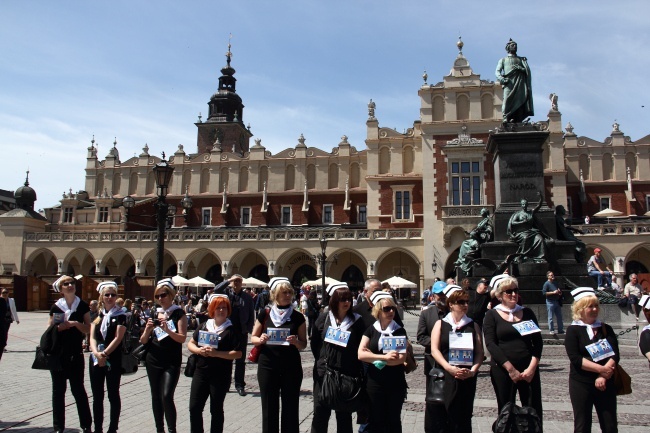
<point>25,394</point>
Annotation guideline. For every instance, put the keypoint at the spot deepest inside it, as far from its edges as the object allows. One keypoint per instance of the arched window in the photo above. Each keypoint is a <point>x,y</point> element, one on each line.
<point>355,175</point>
<point>133,184</point>
<point>243,179</point>
<point>311,176</point>
<point>117,183</point>
<point>151,183</point>
<point>608,167</point>
<point>462,107</point>
<point>384,160</point>
<point>289,178</point>
<point>263,178</point>
<point>630,162</point>
<point>438,109</point>
<point>205,181</point>
<point>187,178</point>
<point>487,106</point>
<point>223,178</point>
<point>333,177</point>
<point>408,157</point>
<point>585,166</point>
<point>99,184</point>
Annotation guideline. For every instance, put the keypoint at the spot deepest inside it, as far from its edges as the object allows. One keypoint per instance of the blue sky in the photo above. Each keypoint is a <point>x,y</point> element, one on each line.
<point>142,71</point>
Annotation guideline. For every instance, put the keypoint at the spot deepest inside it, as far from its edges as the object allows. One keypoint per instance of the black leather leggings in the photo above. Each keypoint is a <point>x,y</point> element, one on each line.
<point>163,381</point>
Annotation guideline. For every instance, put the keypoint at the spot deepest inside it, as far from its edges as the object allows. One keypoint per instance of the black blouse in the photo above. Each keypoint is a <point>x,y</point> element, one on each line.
<point>228,340</point>
<point>390,375</point>
<point>166,352</point>
<point>576,341</point>
<point>276,354</point>
<point>115,357</point>
<point>505,343</point>
<point>343,359</point>
<point>72,339</point>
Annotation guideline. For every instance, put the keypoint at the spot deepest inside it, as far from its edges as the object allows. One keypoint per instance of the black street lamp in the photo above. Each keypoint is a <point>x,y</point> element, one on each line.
<point>128,202</point>
<point>322,258</point>
<point>186,203</point>
<point>163,173</point>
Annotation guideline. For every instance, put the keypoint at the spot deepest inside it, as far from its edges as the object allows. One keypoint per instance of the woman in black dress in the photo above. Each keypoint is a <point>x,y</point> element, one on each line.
<point>71,316</point>
<point>515,356</point>
<point>644,338</point>
<point>386,385</point>
<point>279,368</point>
<point>461,368</point>
<point>106,335</point>
<point>213,372</point>
<point>165,334</point>
<point>337,354</point>
<point>592,348</point>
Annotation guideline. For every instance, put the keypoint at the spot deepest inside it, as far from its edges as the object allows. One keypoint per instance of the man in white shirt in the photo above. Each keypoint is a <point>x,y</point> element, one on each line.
<point>633,292</point>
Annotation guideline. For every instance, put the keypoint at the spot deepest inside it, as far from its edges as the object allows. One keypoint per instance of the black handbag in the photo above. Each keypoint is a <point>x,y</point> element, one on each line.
<point>436,386</point>
<point>340,391</point>
<point>515,419</point>
<point>140,352</point>
<point>44,361</point>
<point>190,366</point>
<point>129,362</point>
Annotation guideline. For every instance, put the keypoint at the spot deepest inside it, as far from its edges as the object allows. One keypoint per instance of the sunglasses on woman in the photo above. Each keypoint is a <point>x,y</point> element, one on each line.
<point>388,309</point>
<point>511,291</point>
<point>160,296</point>
<point>68,283</point>
<point>110,295</point>
<point>462,302</point>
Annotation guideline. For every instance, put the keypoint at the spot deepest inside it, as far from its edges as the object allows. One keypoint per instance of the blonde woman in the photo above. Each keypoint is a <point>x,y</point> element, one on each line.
<point>106,336</point>
<point>165,331</point>
<point>279,368</point>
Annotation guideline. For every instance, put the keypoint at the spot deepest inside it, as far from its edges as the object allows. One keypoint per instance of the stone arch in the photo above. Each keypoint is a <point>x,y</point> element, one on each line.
<point>637,261</point>
<point>384,160</point>
<point>394,261</point>
<point>311,176</point>
<point>79,261</point>
<point>133,184</point>
<point>41,262</point>
<point>631,163</point>
<point>608,167</point>
<point>355,175</point>
<point>244,261</point>
<point>438,109</point>
<point>333,176</point>
<point>148,265</point>
<point>243,179</point>
<point>290,262</point>
<point>487,106</point>
<point>289,178</point>
<point>118,261</point>
<point>450,269</point>
<point>205,181</point>
<point>201,262</point>
<point>117,183</point>
<point>349,266</point>
<point>408,159</point>
<point>462,107</point>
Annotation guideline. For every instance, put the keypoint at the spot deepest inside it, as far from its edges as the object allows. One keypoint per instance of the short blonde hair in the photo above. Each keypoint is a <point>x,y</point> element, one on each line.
<point>581,304</point>
<point>165,288</point>
<point>282,286</point>
<point>506,284</point>
<point>385,302</point>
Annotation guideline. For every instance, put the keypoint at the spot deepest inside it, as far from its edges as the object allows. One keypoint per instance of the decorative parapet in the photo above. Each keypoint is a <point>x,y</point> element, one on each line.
<point>465,211</point>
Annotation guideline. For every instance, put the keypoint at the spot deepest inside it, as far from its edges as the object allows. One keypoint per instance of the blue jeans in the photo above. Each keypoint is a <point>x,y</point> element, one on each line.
<point>604,279</point>
<point>554,307</point>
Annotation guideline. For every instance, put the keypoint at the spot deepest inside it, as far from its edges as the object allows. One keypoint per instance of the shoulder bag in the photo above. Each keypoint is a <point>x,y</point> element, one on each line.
<point>622,380</point>
<point>515,419</point>
<point>410,364</point>
<point>190,366</point>
<point>46,361</point>
<point>436,386</point>
<point>340,391</point>
<point>254,354</point>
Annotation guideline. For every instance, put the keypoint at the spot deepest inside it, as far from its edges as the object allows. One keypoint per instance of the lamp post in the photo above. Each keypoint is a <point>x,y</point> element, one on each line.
<point>322,258</point>
<point>186,203</point>
<point>128,202</point>
<point>163,174</point>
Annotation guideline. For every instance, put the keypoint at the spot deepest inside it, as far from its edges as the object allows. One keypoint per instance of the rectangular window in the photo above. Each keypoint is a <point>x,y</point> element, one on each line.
<point>245,216</point>
<point>402,205</point>
<point>604,202</point>
<point>67,214</point>
<point>286,215</point>
<point>328,214</point>
<point>466,183</point>
<point>206,216</point>
<point>103,215</point>
<point>361,214</point>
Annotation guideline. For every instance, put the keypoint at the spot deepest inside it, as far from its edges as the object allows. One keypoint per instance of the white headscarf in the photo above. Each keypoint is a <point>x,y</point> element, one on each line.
<point>511,312</point>
<point>590,328</point>
<point>63,305</point>
<point>457,325</point>
<point>106,321</point>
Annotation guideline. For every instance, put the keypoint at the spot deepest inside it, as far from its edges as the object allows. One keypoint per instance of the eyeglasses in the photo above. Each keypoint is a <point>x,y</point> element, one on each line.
<point>5,293</point>
<point>110,295</point>
<point>462,302</point>
<point>160,296</point>
<point>68,283</point>
<point>345,300</point>
<point>388,309</point>
<point>511,291</point>
<point>222,308</point>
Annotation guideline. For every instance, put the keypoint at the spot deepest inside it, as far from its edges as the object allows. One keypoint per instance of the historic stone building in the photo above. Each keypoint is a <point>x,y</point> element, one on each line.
<point>398,206</point>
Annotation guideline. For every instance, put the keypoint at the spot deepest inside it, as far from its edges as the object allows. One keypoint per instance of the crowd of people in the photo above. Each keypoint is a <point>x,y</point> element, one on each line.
<point>359,345</point>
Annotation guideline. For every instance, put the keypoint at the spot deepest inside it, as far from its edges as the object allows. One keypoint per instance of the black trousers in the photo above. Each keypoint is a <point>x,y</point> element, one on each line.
<point>275,383</point>
<point>73,371</point>
<point>240,363</point>
<point>322,414</point>
<point>584,396</point>
<point>112,377</point>
<point>386,408</point>
<point>530,394</point>
<point>204,385</point>
<point>163,381</point>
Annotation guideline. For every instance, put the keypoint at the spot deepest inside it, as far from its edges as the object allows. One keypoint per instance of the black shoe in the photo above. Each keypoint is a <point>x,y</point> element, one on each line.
<point>241,392</point>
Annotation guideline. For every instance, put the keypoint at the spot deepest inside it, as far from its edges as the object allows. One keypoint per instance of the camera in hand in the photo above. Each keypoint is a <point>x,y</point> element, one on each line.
<point>156,322</point>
